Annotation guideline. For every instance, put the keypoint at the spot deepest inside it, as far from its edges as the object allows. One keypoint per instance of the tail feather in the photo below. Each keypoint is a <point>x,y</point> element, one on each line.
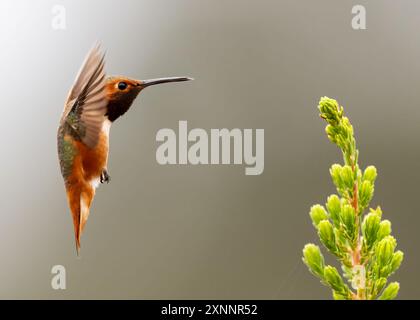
<point>79,198</point>
<point>77,246</point>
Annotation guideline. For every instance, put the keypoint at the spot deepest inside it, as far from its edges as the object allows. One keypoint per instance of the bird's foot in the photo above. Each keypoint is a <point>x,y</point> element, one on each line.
<point>105,176</point>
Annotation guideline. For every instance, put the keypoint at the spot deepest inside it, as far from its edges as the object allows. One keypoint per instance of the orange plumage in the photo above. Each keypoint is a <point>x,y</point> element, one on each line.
<point>87,167</point>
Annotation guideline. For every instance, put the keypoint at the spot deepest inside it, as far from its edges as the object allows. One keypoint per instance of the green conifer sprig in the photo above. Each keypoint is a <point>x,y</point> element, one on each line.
<point>361,242</point>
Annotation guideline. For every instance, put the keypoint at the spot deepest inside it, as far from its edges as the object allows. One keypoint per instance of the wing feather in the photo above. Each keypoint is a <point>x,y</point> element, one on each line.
<point>86,101</point>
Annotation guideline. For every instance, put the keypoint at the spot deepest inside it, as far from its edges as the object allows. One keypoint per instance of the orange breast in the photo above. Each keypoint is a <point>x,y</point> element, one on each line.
<point>93,160</point>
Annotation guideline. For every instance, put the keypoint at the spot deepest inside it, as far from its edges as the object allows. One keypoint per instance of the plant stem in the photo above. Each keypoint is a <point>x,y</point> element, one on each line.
<point>356,254</point>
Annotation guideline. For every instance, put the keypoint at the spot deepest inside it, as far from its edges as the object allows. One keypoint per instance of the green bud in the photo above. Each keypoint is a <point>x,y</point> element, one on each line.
<point>347,176</point>
<point>330,110</point>
<point>335,172</point>
<point>370,174</point>
<point>318,214</point>
<point>397,258</point>
<point>334,208</point>
<point>343,177</point>
<point>333,278</point>
<point>313,258</point>
<point>326,234</point>
<point>384,229</point>
<point>348,218</point>
<point>377,211</point>
<point>365,193</point>
<point>370,227</point>
<point>390,292</point>
<point>379,285</point>
<point>385,250</point>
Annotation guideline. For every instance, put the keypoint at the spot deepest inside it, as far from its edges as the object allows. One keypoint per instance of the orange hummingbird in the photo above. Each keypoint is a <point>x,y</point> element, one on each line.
<point>93,104</point>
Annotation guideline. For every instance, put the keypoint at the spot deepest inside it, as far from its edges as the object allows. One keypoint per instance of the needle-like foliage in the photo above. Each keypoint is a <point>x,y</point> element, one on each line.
<point>362,242</point>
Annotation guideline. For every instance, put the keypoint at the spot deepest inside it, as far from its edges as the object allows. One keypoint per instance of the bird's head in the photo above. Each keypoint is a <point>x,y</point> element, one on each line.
<point>121,92</point>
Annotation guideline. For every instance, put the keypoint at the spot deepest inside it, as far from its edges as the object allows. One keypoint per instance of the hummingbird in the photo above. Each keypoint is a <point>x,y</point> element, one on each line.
<point>93,104</point>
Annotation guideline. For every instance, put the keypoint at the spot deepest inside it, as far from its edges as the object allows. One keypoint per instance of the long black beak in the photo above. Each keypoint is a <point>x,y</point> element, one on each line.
<point>151,82</point>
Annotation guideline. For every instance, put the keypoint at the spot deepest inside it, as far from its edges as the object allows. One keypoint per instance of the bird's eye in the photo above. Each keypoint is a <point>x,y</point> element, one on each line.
<point>122,85</point>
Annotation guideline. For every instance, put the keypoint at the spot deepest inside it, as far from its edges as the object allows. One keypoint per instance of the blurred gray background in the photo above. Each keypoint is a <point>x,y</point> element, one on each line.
<point>204,231</point>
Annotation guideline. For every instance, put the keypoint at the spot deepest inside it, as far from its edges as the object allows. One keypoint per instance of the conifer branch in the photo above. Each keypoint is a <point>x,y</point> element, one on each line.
<point>361,242</point>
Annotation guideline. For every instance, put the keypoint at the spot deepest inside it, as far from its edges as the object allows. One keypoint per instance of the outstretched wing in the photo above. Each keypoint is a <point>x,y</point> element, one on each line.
<point>86,103</point>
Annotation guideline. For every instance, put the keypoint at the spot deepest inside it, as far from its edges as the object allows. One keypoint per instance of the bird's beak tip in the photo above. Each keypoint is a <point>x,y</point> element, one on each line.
<point>150,82</point>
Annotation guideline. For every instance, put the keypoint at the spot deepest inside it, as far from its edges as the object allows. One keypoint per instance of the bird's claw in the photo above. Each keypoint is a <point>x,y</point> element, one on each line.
<point>105,177</point>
